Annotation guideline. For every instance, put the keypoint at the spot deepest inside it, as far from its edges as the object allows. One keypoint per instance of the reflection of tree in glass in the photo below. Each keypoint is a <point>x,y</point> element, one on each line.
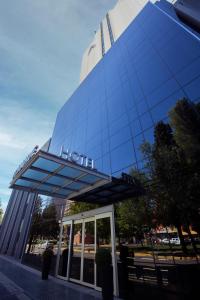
<point>66,235</point>
<point>89,232</point>
<point>103,232</point>
<point>173,162</point>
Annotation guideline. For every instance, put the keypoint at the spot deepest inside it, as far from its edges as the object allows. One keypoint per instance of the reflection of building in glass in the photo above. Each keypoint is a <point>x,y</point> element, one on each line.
<point>145,69</point>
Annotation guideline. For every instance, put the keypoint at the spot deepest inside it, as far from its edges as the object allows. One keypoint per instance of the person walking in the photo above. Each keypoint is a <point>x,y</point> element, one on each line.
<point>46,262</point>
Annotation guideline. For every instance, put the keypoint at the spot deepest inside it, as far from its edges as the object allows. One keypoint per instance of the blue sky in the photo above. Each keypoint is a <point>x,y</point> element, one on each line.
<point>41,46</point>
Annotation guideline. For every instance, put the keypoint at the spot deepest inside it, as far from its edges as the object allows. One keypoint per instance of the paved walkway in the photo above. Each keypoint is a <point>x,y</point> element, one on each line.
<point>19,282</point>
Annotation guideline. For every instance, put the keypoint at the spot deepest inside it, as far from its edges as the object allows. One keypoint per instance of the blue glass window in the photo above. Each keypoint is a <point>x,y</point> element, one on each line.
<point>105,146</point>
<point>193,89</point>
<point>24,183</point>
<point>57,180</point>
<point>90,178</point>
<point>136,127</point>
<point>47,188</point>
<point>190,72</point>
<point>34,174</point>
<point>98,164</point>
<point>63,192</point>
<point>152,74</point>
<point>118,124</point>
<point>146,121</point>
<point>76,185</point>
<point>46,165</point>
<point>106,168</point>
<point>132,113</point>
<point>142,107</point>
<point>149,135</point>
<point>162,109</point>
<point>120,137</point>
<point>128,95</point>
<point>72,173</point>
<point>138,141</point>
<point>189,49</point>
<point>122,156</point>
<point>164,91</point>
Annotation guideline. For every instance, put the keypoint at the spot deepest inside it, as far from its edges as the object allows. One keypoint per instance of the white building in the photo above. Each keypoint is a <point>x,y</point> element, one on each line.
<point>111,27</point>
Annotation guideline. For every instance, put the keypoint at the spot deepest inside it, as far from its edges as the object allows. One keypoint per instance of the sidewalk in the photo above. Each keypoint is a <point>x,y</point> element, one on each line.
<point>20,282</point>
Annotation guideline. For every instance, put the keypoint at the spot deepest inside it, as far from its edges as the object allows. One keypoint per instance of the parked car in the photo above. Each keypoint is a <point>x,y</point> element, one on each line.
<point>187,240</point>
<point>175,241</point>
<point>165,241</point>
<point>44,244</point>
<point>197,240</point>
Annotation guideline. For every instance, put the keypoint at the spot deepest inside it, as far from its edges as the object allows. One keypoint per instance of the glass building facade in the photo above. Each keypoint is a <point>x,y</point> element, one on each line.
<point>154,63</point>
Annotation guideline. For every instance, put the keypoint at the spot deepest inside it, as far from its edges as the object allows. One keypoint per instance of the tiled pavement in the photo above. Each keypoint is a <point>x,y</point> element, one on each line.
<point>19,282</point>
<point>9,290</point>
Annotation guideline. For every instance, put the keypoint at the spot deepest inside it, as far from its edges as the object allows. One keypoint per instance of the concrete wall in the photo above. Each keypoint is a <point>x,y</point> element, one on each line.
<point>120,17</point>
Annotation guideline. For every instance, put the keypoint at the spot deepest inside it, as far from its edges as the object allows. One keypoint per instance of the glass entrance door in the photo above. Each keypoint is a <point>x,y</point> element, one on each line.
<point>81,236</point>
<point>76,253</point>
<point>103,239</point>
<point>89,252</point>
<point>83,252</point>
<point>64,250</point>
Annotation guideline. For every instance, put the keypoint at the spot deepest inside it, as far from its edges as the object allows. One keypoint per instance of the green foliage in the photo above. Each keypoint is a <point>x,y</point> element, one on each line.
<point>170,177</point>
<point>173,165</point>
<point>44,222</point>
<point>50,227</point>
<point>185,119</point>
<point>103,257</point>
<point>133,216</point>
<point>36,225</point>
<point>78,207</point>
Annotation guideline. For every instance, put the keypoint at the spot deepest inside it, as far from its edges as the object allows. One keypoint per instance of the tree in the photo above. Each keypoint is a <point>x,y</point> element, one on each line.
<point>133,216</point>
<point>169,179</point>
<point>50,226</point>
<point>185,120</point>
<point>35,229</point>
<point>78,207</point>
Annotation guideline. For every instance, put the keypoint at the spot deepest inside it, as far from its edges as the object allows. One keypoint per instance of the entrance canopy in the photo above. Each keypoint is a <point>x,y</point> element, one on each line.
<point>51,175</point>
<point>118,189</point>
<point>48,174</point>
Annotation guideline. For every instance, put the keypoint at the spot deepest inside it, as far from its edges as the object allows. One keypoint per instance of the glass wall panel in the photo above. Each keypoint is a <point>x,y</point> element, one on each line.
<point>103,239</point>
<point>64,251</point>
<point>139,65</point>
<point>122,156</point>
<point>75,268</point>
<point>192,90</point>
<point>89,253</point>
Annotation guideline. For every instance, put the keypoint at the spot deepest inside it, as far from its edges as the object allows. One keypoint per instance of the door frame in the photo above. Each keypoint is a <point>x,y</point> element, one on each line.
<point>95,214</point>
<point>82,221</point>
<point>69,222</point>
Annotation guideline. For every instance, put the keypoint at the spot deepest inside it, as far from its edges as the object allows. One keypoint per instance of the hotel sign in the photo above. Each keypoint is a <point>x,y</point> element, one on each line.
<point>68,155</point>
<point>77,158</point>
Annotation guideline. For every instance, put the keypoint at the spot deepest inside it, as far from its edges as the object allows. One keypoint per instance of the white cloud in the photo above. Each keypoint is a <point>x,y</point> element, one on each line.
<point>7,140</point>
